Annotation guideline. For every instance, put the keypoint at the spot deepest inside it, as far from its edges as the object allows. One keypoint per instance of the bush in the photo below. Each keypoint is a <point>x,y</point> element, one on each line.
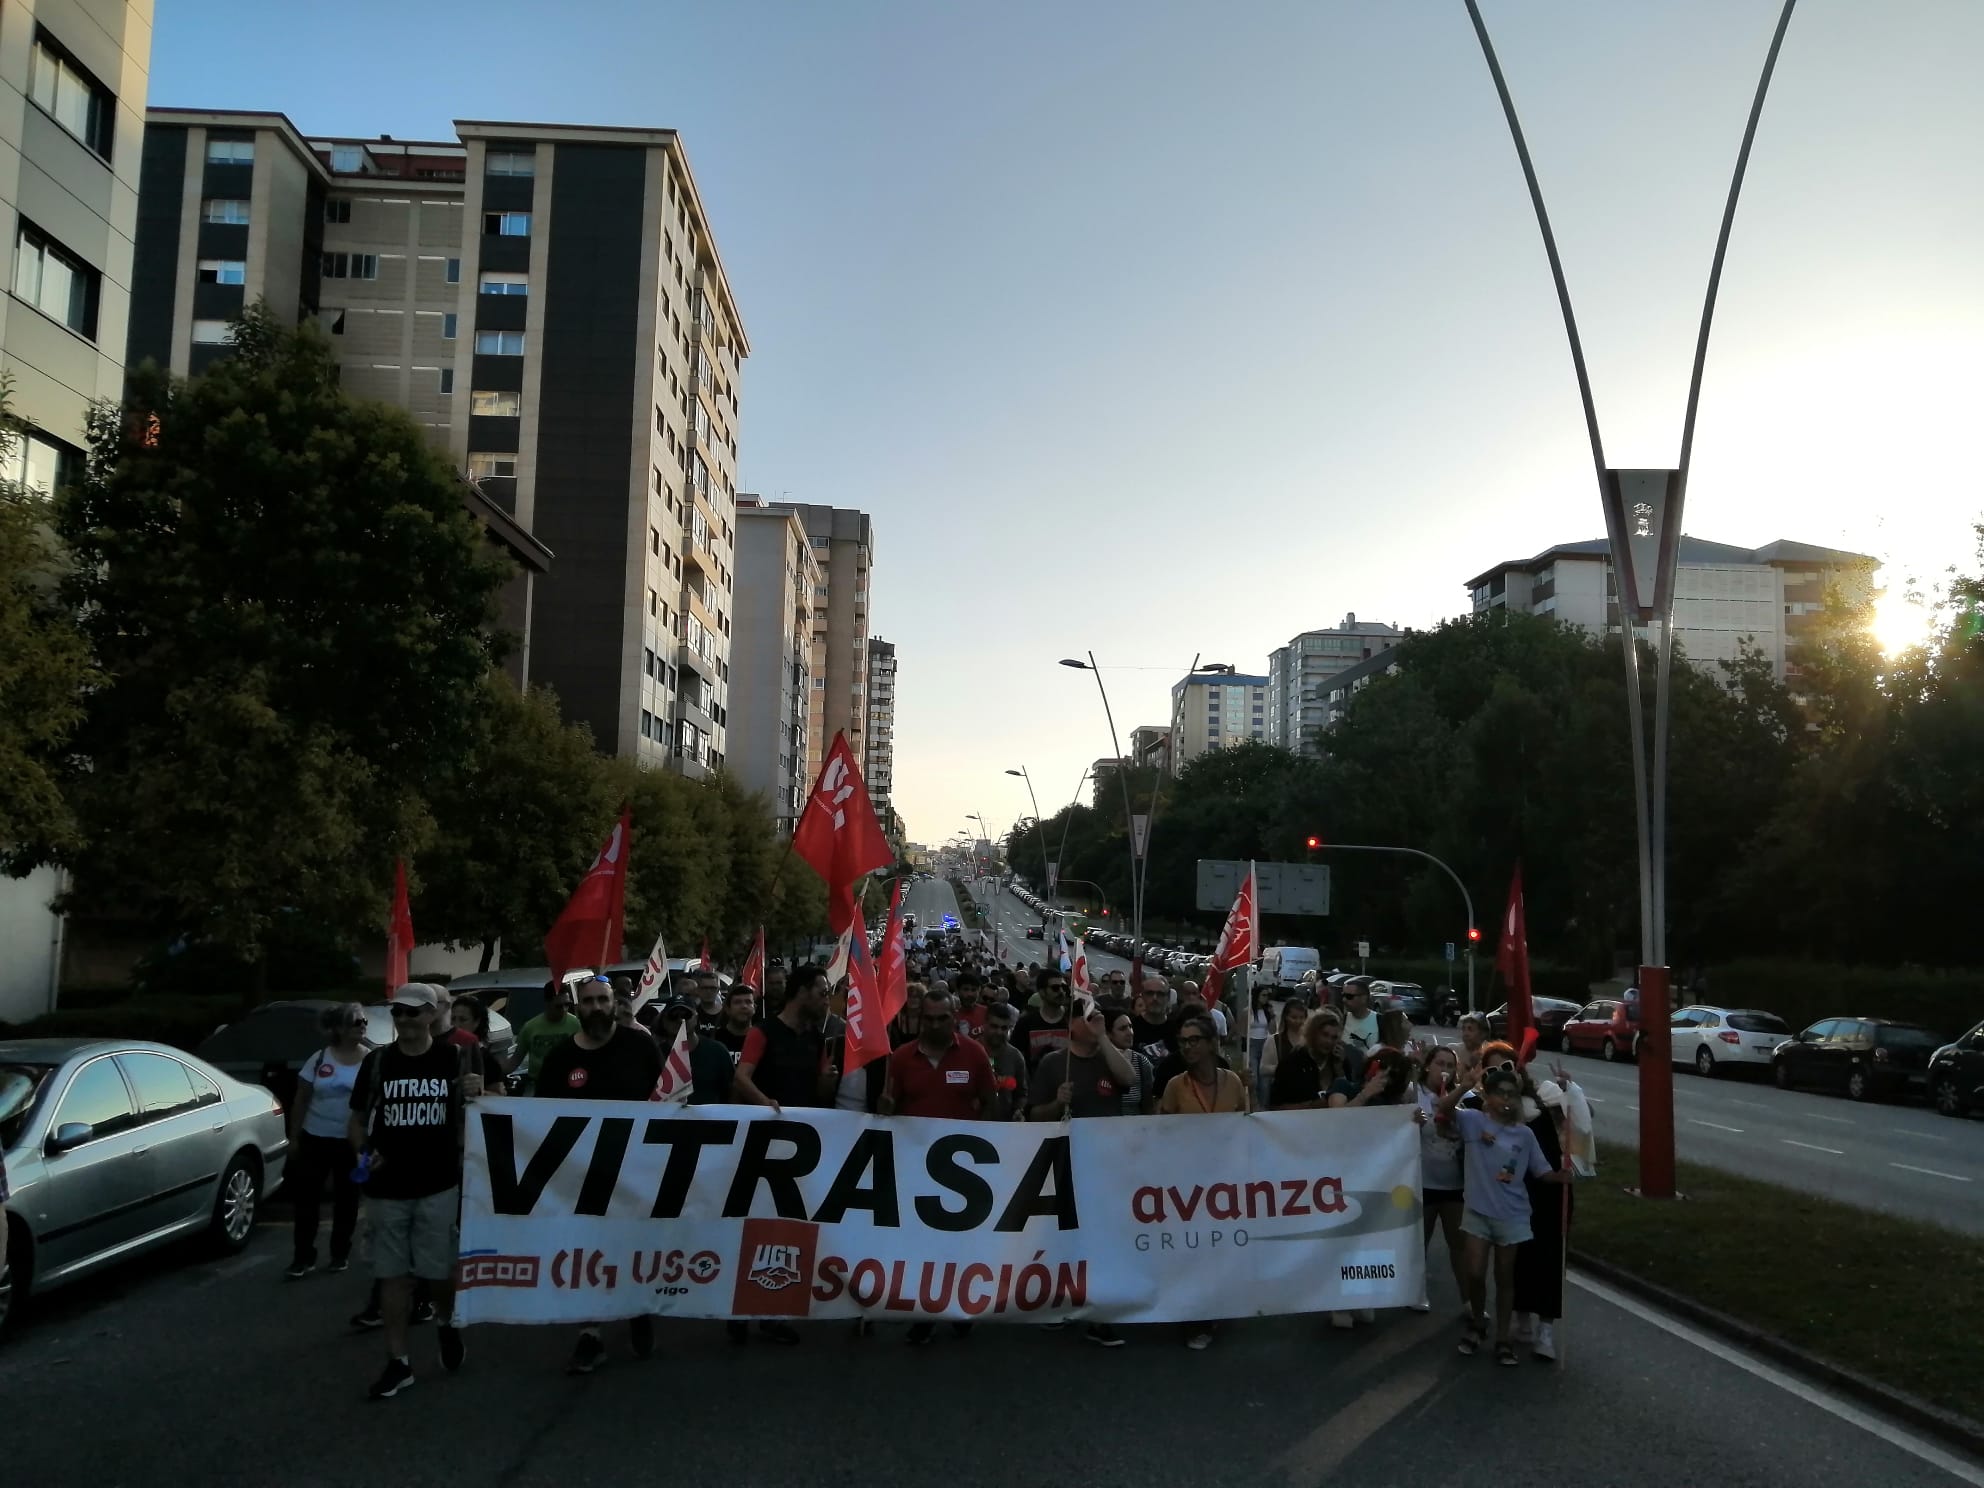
<point>183,1022</point>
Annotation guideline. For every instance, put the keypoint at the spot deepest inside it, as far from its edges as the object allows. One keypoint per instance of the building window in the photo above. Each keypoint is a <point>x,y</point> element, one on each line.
<point>70,96</point>
<point>654,541</point>
<point>212,333</point>
<point>486,467</point>
<point>351,266</point>
<point>511,162</point>
<point>454,271</point>
<point>337,209</point>
<point>230,152</point>
<point>54,281</point>
<point>498,343</point>
<point>500,284</point>
<point>221,209</point>
<point>36,462</point>
<point>347,159</point>
<point>447,379</point>
<point>449,323</point>
<point>223,271</point>
<point>496,405</point>
<point>506,224</point>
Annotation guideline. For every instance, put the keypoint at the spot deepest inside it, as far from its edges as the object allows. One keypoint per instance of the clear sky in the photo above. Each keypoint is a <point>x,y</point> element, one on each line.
<point>1162,328</point>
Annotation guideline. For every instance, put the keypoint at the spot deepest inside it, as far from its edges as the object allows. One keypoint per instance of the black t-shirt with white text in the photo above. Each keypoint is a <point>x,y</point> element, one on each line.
<point>411,1108</point>
<point>626,1067</point>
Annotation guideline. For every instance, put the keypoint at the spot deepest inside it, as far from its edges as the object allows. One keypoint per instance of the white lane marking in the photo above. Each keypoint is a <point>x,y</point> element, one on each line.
<point>1632,1108</point>
<point>1833,1405</point>
<point>1696,1121</point>
<point>1932,1172</point>
<point>1902,1131</point>
<point>1753,1105</point>
<point>1835,1120</point>
<point>1596,1100</point>
<point>1813,1147</point>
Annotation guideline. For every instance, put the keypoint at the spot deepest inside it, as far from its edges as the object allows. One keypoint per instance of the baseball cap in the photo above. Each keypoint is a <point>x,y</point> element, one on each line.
<point>416,994</point>
<point>687,1006</point>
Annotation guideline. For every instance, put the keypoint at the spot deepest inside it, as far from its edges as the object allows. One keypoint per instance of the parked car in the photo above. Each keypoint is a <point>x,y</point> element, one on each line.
<point>1956,1074</point>
<point>1712,1037</point>
<point>1402,997</point>
<point>1551,1014</point>
<point>268,1045</point>
<point>1036,932</point>
<point>1601,1028</point>
<point>1864,1057</point>
<point>116,1147</point>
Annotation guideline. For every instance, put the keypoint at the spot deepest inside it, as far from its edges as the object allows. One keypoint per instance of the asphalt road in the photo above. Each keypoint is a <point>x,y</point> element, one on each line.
<point>1899,1159</point>
<point>176,1371</point>
<point>1014,917</point>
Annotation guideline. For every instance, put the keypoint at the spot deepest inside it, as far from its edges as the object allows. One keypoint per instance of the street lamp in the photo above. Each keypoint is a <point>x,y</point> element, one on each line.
<point>1046,867</point>
<point>1643,527</point>
<point>1129,813</point>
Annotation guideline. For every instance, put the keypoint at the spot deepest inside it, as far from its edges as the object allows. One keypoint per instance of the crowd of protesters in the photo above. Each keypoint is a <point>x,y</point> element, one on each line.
<point>975,1040</point>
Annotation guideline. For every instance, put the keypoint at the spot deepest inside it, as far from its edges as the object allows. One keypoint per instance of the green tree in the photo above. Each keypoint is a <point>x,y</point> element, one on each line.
<point>291,609</point>
<point>45,668</point>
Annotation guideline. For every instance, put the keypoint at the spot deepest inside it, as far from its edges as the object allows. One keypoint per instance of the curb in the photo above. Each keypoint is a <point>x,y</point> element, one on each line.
<point>1948,1427</point>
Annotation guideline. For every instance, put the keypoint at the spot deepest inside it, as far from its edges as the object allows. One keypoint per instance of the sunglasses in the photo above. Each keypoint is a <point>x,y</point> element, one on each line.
<point>402,1012</point>
<point>1191,1038</point>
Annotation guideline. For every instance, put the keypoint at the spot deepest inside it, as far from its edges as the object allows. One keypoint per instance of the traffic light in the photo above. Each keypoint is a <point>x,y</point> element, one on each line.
<point>1473,936</point>
<point>1105,909</point>
<point>1314,842</point>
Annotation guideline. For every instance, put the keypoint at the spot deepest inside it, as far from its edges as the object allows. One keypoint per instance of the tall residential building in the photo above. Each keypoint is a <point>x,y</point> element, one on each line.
<point>1299,672</point>
<point>548,302</point>
<point>1216,710</point>
<point>844,546</point>
<point>1150,747</point>
<point>72,122</point>
<point>1723,595</point>
<point>878,771</point>
<point>771,653</point>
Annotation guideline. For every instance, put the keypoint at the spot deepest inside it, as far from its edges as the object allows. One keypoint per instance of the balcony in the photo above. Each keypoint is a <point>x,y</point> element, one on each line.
<point>688,656</point>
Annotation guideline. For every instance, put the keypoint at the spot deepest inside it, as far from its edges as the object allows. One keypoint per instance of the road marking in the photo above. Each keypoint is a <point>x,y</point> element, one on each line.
<point>1840,1409</point>
<point>1835,1120</point>
<point>1902,1131</point>
<point>1932,1172</point>
<point>1812,1147</point>
<point>1596,1100</point>
<point>1632,1108</point>
<point>1696,1121</point>
<point>1753,1105</point>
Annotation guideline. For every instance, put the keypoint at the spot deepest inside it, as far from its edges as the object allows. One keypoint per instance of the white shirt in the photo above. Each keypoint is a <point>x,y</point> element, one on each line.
<point>1361,1031</point>
<point>330,1085</point>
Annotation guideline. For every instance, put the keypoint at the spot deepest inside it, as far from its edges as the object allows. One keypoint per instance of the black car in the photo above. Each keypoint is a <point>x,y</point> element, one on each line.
<point>1035,932</point>
<point>1864,1057</point>
<point>1551,1014</point>
<point>1956,1075</point>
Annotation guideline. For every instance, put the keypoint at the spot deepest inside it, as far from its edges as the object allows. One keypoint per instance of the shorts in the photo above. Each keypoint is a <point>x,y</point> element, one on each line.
<point>1494,1231</point>
<point>1434,1196</point>
<point>416,1237</point>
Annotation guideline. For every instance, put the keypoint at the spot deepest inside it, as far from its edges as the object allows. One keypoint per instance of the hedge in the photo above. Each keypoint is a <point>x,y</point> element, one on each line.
<point>1802,992</point>
<point>183,1022</point>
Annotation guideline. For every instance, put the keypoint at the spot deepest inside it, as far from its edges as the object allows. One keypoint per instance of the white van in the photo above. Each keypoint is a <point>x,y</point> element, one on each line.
<point>1284,966</point>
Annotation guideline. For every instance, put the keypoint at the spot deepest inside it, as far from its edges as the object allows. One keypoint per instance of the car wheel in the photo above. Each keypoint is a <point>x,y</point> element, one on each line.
<point>1948,1099</point>
<point>1780,1075</point>
<point>1705,1064</point>
<point>237,1203</point>
<point>1609,1052</point>
<point>1856,1085</point>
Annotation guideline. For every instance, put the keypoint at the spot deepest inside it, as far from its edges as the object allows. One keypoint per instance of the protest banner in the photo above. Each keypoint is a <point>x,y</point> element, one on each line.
<point>584,1211</point>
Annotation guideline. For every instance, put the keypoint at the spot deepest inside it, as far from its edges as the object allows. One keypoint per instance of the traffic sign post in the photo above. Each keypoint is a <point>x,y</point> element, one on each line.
<point>1363,955</point>
<point>1450,955</point>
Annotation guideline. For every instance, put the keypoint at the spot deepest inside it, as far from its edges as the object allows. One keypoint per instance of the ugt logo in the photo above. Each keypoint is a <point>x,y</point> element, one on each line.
<point>775,1268</point>
<point>835,789</point>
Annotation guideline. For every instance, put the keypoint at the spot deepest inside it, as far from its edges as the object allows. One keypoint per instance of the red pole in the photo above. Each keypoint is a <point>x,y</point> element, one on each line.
<point>1656,1086</point>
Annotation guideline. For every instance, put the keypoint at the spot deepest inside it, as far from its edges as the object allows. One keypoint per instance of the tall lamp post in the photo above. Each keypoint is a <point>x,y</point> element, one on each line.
<point>1046,868</point>
<point>991,873</point>
<point>1643,511</point>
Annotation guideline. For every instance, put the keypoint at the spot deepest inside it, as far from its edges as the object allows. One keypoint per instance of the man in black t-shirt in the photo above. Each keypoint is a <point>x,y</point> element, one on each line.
<point>1045,1028</point>
<point>406,1125</point>
<point>602,1061</point>
<point>739,1011</point>
<point>784,1059</point>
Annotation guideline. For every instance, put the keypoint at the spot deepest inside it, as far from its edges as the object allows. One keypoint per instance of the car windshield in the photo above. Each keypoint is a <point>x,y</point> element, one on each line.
<point>21,1089</point>
<point>1906,1038</point>
<point>1759,1023</point>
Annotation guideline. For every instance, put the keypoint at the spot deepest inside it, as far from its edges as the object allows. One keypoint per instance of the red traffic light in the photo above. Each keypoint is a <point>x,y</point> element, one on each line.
<point>1105,910</point>
<point>1473,935</point>
<point>1314,843</point>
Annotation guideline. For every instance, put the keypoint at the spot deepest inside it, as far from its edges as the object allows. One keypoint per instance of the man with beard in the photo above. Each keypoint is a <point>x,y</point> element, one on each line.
<point>739,1012</point>
<point>602,1061</point>
<point>970,1011</point>
<point>1046,1028</point>
<point>1009,1074</point>
<point>1150,1017</point>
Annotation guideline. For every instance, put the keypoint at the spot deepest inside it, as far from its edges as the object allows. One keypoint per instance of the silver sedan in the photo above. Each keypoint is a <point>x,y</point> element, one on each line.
<point>116,1147</point>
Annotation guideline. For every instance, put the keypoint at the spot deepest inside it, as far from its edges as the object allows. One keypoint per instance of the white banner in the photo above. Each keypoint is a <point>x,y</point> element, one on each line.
<point>584,1211</point>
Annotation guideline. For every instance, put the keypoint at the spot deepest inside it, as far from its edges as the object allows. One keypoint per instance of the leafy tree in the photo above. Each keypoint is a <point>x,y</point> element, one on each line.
<point>291,610</point>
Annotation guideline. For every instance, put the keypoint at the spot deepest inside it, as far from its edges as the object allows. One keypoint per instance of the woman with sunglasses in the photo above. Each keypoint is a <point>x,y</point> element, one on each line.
<point>317,1143</point>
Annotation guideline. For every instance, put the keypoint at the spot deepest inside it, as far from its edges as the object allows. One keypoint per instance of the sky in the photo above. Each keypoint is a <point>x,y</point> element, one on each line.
<point>1162,329</point>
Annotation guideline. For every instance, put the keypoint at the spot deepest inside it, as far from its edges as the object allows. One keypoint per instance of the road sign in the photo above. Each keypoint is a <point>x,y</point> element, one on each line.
<point>1450,950</point>
<point>1363,950</point>
<point>1285,888</point>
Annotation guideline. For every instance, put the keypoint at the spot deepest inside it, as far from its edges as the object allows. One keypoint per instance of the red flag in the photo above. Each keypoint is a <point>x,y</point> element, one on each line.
<point>399,932</point>
<point>838,834</point>
<point>1512,961</point>
<point>589,929</point>
<point>706,964</point>
<point>1239,939</point>
<point>875,995</point>
<point>753,974</point>
<point>1078,978</point>
<point>677,1081</point>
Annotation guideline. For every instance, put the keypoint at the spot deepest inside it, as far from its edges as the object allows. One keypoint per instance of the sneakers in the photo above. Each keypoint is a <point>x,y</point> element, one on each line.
<point>453,1350</point>
<point>586,1354</point>
<point>1544,1345</point>
<point>298,1270</point>
<point>338,1266</point>
<point>920,1334</point>
<point>367,1320</point>
<point>423,1312</point>
<point>1104,1336</point>
<point>641,1332</point>
<point>1342,1320</point>
<point>397,1376</point>
<point>1200,1341</point>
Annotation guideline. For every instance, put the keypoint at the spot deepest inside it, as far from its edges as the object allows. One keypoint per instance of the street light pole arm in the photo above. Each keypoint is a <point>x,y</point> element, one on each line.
<point>1465,897</point>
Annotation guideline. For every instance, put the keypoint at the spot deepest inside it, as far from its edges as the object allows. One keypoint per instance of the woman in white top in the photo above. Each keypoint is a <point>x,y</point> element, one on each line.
<point>318,1145</point>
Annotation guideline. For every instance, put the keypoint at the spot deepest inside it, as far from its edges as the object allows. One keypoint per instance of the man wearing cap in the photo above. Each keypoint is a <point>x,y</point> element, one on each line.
<point>406,1124</point>
<point>602,1061</point>
<point>710,1064</point>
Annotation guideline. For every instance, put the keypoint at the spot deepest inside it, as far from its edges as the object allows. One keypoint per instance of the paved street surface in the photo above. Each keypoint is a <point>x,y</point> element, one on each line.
<point>219,1373</point>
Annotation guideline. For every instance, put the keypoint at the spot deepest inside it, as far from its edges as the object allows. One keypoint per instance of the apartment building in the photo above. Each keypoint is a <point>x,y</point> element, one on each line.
<point>1216,710</point>
<point>548,303</point>
<point>1299,675</point>
<point>843,544</point>
<point>878,770</point>
<point>72,119</point>
<point>1150,747</point>
<point>771,653</point>
<point>1724,596</point>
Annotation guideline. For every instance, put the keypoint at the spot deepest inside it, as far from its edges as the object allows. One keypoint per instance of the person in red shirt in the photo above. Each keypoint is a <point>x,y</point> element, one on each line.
<point>941,1075</point>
